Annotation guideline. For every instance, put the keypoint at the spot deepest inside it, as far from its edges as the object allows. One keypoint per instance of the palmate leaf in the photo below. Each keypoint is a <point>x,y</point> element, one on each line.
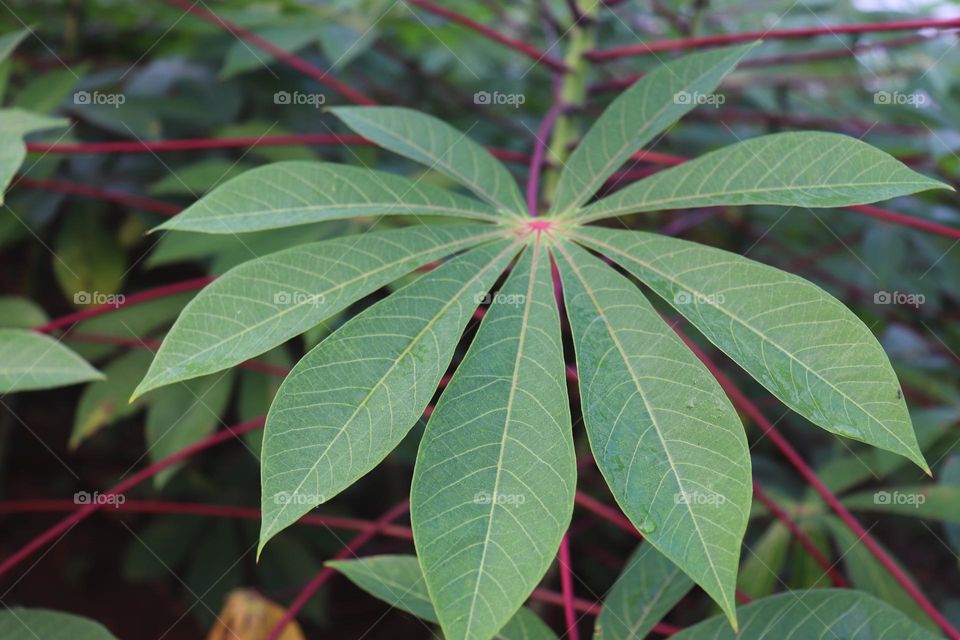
<point>649,586</point>
<point>30,360</point>
<point>351,400</point>
<point>796,340</point>
<point>817,613</point>
<point>663,433</point>
<point>493,486</point>
<point>292,193</point>
<point>264,302</point>
<point>398,581</point>
<point>652,104</point>
<point>439,146</point>
<point>798,169</point>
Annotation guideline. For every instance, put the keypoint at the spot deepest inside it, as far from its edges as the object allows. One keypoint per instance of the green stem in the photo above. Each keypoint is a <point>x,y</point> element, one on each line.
<point>573,93</point>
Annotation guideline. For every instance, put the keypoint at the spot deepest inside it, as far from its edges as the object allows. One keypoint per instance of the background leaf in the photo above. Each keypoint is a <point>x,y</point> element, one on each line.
<point>31,360</point>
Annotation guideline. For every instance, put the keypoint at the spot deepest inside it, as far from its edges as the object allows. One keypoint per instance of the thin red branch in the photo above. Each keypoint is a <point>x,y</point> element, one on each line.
<point>780,514</point>
<point>163,507</point>
<point>85,511</point>
<point>86,191</point>
<point>566,588</point>
<point>242,142</point>
<point>677,44</point>
<point>290,59</point>
<point>130,300</point>
<point>592,609</point>
<point>536,158</point>
<point>348,551</point>
<point>741,400</point>
<point>517,45</point>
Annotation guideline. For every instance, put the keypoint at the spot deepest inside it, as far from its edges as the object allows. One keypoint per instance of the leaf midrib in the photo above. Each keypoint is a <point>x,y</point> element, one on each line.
<point>415,340</point>
<point>648,203</point>
<point>708,301</point>
<point>648,409</point>
<point>506,428</point>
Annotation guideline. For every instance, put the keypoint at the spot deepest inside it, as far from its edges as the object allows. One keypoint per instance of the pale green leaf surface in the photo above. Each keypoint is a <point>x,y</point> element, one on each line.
<point>636,116</point>
<point>764,561</point>
<point>440,147</point>
<point>292,193</point>
<point>398,581</point>
<point>797,168</point>
<point>20,313</point>
<point>10,41</point>
<point>262,303</point>
<point>493,486</point>
<point>31,360</point>
<point>790,335</point>
<point>927,502</point>
<point>817,613</point>
<point>648,588</point>
<point>663,433</point>
<point>45,624</point>
<point>352,398</point>
<point>104,402</point>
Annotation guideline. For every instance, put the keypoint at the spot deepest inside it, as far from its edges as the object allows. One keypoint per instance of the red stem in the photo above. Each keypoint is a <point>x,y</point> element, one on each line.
<point>780,514</point>
<point>348,551</point>
<point>772,34</point>
<point>206,510</point>
<point>196,144</point>
<point>747,406</point>
<point>136,298</point>
<point>592,608</point>
<point>566,587</point>
<point>86,191</point>
<point>536,158</point>
<point>84,512</point>
<point>517,45</point>
<point>290,59</point>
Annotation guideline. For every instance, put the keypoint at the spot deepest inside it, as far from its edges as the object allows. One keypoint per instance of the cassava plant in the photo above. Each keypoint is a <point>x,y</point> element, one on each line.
<point>490,305</point>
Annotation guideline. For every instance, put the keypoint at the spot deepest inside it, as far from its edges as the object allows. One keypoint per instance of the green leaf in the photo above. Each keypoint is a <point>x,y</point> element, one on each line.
<point>104,402</point>
<point>10,41</point>
<point>663,433</point>
<point>818,613</point>
<point>798,169</point>
<point>351,399</point>
<point>867,574</point>
<point>31,624</point>
<point>31,360</point>
<point>184,413</point>
<point>398,581</point>
<point>760,574</point>
<point>649,586</point>
<point>292,193</point>
<point>790,335</point>
<point>14,125</point>
<point>927,502</point>
<point>650,105</point>
<point>439,146</point>
<point>20,313</point>
<point>493,486</point>
<point>262,303</point>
